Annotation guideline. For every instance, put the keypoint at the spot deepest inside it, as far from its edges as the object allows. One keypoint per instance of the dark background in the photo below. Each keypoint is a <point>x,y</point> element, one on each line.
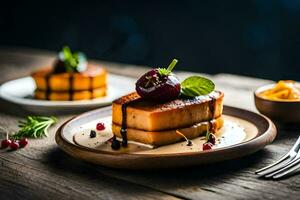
<point>255,38</point>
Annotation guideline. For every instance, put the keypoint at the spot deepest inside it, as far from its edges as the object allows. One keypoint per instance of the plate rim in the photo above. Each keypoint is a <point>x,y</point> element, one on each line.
<point>271,132</point>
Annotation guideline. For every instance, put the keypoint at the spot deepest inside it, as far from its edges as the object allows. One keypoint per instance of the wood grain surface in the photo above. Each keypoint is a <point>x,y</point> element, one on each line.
<point>43,171</point>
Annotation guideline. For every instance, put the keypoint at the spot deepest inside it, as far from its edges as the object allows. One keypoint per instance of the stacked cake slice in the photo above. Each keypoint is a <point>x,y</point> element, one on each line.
<point>157,124</point>
<point>88,84</point>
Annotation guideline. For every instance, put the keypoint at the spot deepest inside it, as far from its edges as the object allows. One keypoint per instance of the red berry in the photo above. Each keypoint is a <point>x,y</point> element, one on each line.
<point>100,126</point>
<point>5,143</point>
<point>14,145</point>
<point>207,146</point>
<point>23,142</point>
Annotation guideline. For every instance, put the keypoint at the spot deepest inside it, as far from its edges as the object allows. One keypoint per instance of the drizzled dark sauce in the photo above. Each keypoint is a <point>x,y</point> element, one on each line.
<point>91,86</point>
<point>124,125</point>
<point>71,86</point>
<point>123,130</point>
<point>47,79</point>
<point>48,88</point>
<point>212,105</point>
<point>58,68</point>
<point>71,91</point>
<point>115,143</point>
<point>212,122</point>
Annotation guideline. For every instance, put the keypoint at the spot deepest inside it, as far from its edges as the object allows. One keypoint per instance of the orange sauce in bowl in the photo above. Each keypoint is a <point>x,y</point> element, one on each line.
<point>286,90</point>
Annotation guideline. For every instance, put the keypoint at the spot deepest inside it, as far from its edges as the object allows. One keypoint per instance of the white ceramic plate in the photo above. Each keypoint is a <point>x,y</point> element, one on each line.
<point>20,92</point>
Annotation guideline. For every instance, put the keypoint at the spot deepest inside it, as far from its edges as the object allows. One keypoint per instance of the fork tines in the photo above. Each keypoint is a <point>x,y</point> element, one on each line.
<point>289,163</point>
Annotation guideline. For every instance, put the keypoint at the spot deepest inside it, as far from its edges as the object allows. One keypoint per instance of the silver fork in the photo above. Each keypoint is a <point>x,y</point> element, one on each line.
<point>284,166</point>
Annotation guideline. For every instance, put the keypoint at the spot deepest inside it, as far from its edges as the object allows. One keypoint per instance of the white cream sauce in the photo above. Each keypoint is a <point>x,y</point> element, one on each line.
<point>234,131</point>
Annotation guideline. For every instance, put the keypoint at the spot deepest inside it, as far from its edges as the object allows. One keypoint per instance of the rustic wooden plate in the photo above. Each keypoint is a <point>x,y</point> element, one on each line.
<point>244,133</point>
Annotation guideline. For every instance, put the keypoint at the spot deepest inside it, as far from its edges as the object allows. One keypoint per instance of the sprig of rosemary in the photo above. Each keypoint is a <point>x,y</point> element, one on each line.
<point>34,127</point>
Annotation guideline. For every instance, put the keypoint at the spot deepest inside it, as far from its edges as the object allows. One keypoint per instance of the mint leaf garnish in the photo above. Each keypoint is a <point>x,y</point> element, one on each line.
<point>73,62</point>
<point>196,85</point>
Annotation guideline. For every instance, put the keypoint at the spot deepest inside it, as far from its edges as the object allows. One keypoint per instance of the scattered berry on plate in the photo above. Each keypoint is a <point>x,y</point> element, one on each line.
<point>100,126</point>
<point>92,134</point>
<point>212,139</point>
<point>207,146</point>
<point>115,144</point>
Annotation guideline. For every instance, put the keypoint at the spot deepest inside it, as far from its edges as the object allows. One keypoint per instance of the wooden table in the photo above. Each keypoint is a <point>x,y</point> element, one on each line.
<point>42,170</point>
